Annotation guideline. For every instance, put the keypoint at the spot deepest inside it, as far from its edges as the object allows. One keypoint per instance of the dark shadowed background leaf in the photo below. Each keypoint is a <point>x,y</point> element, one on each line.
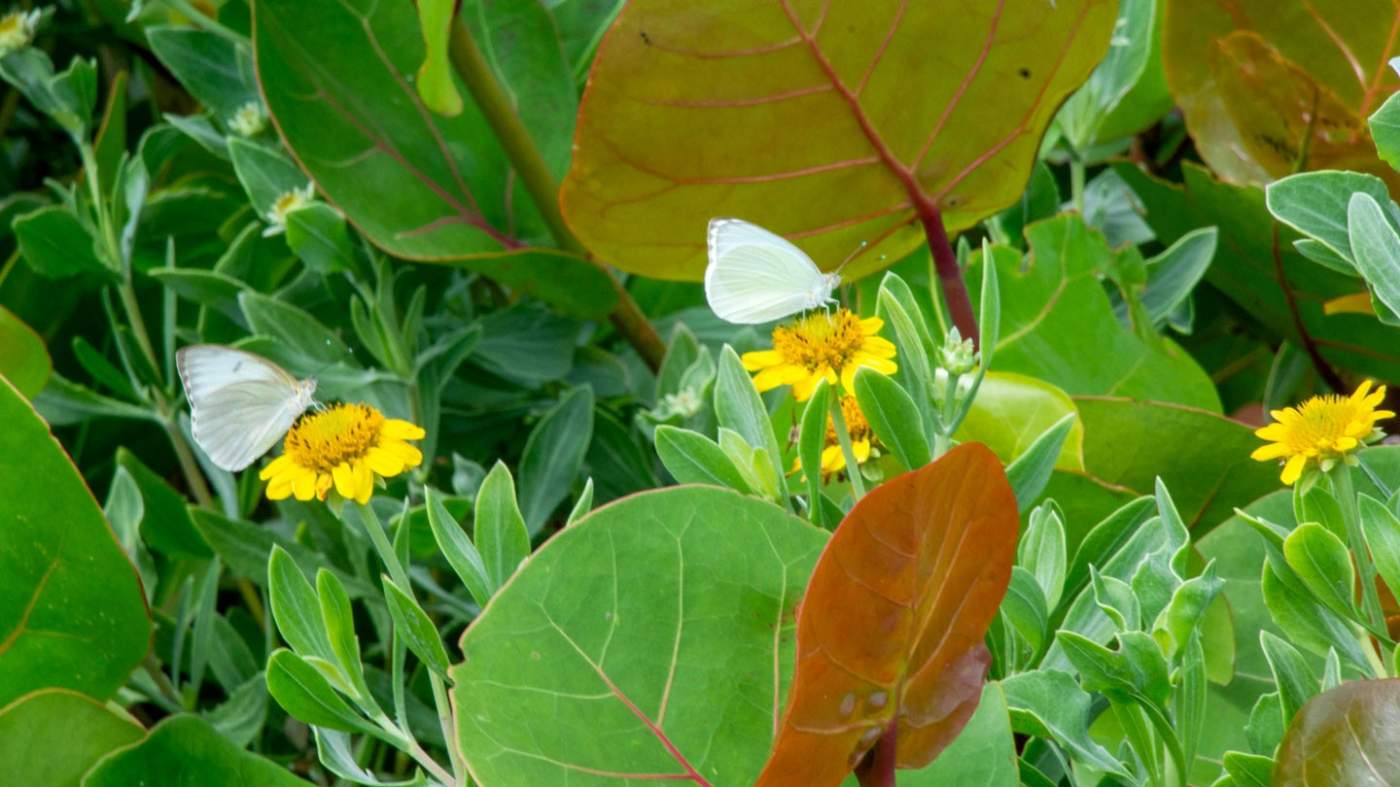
<point>651,637</point>
<point>72,612</point>
<point>1256,78</point>
<point>767,110</point>
<point>891,626</point>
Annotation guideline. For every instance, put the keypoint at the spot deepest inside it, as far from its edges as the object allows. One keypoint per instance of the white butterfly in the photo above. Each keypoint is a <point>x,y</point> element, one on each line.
<point>240,403</point>
<point>756,276</point>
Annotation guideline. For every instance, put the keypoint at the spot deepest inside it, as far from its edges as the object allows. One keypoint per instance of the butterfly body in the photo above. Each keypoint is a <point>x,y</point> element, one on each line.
<point>756,276</point>
<point>240,403</point>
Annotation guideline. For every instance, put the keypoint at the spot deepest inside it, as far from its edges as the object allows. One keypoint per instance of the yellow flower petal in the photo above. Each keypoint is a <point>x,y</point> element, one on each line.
<point>871,325</point>
<point>861,449</point>
<point>774,376</point>
<point>395,429</point>
<point>344,480</point>
<point>832,459</point>
<point>304,485</point>
<point>760,359</point>
<point>363,481</point>
<point>275,467</point>
<point>323,485</point>
<point>1293,469</point>
<point>384,463</point>
<point>1265,453</point>
<point>280,489</point>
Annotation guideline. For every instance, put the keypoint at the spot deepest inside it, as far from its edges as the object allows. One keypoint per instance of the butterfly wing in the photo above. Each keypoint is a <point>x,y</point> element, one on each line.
<point>240,403</point>
<point>756,276</point>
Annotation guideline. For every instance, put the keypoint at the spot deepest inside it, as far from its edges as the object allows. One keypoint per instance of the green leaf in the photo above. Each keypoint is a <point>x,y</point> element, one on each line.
<point>1295,680</point>
<point>1345,736</point>
<point>241,717</point>
<point>1041,551</point>
<point>811,441</point>
<point>339,621</point>
<point>335,750</point>
<point>187,746</point>
<point>631,686</point>
<point>318,235</point>
<point>1012,411</point>
<point>1025,609</point>
<point>24,360</point>
<point>1315,204</point>
<point>1322,562</point>
<point>72,609</point>
<point>416,628</point>
<point>894,418</point>
<point>896,304</point>
<point>692,458</point>
<point>1050,704</point>
<point>52,736</point>
<point>1381,529</point>
<point>554,455</point>
<point>294,328</point>
<point>56,244</point>
<point>216,69</point>
<point>1115,597</point>
<point>1259,249</point>
<point>499,528</point>
<point>1127,91</point>
<point>686,101</point>
<point>296,608</point>
<point>1173,274</point>
<point>739,407</point>
<point>1031,471</point>
<point>338,81</point>
<point>1375,245</point>
<point>1249,770</point>
<point>434,81</point>
<point>266,173</point>
<point>458,548</point>
<point>1385,130</point>
<point>167,526</point>
<point>1309,624</point>
<point>1052,302</point>
<point>303,691</point>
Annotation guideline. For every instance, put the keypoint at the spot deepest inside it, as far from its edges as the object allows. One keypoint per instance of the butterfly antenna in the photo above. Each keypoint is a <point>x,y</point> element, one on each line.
<point>854,253</point>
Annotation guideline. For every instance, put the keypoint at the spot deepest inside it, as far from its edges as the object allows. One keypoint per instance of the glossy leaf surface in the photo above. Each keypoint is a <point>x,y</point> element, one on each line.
<point>891,627</point>
<point>766,109</point>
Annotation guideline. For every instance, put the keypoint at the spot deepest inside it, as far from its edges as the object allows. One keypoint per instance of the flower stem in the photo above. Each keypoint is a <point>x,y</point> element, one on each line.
<point>838,422</point>
<point>876,769</point>
<point>496,105</point>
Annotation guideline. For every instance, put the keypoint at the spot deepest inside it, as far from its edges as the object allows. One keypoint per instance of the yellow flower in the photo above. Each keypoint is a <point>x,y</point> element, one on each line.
<point>344,447</point>
<point>821,346</point>
<point>862,439</point>
<point>1324,428</point>
<point>285,203</point>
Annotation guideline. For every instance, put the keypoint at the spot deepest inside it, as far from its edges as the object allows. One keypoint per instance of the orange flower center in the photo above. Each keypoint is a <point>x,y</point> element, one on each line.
<point>322,440</point>
<point>821,340</point>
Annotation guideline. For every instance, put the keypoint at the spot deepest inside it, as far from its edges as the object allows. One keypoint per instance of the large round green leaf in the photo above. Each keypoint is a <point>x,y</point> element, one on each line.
<point>24,360</point>
<point>72,612</point>
<point>826,122</point>
<point>184,751</point>
<point>652,639</point>
<point>52,736</point>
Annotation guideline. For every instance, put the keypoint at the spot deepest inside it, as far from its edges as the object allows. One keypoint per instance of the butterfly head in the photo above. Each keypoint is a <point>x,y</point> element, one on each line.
<point>306,392</point>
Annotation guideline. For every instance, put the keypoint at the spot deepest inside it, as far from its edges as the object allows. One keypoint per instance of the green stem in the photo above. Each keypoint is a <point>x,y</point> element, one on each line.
<point>539,182</point>
<point>1346,498</point>
<point>448,722</point>
<point>370,521</point>
<point>838,422</point>
<point>1168,733</point>
<point>1076,183</point>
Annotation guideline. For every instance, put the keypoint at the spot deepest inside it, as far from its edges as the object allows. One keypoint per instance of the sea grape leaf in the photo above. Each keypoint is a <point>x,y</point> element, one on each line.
<point>1202,457</point>
<point>890,629</point>
<point>690,105</point>
<point>337,78</point>
<point>186,751</point>
<point>1348,735</point>
<point>1058,325</point>
<point>652,639</point>
<point>72,611</point>
<point>1260,254</point>
<point>24,360</point>
<point>1265,84</point>
<point>52,736</point>
<point>1011,410</point>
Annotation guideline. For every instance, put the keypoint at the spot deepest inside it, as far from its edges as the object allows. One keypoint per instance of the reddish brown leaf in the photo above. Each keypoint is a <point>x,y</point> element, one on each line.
<point>891,626</point>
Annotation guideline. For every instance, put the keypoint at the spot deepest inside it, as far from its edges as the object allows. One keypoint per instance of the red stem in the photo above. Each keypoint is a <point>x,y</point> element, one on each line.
<point>946,262</point>
<point>876,769</point>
